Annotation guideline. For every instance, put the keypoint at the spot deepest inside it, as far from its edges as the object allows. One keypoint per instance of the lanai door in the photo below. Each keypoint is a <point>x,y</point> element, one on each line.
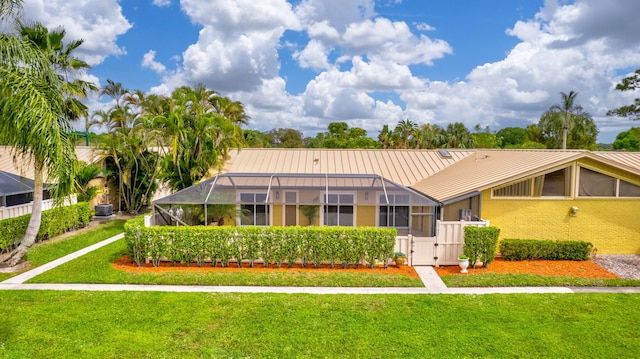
<point>290,209</point>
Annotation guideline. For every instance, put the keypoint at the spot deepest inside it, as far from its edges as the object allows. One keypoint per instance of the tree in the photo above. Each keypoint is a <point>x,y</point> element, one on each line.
<point>340,135</point>
<point>285,138</point>
<point>511,137</point>
<point>629,83</point>
<point>484,138</point>
<point>257,139</point>
<point>568,111</point>
<point>198,134</point>
<point>133,167</point>
<point>628,140</point>
<point>36,114</point>
<point>430,136</point>
<point>458,136</point>
<point>405,134</point>
<point>567,126</point>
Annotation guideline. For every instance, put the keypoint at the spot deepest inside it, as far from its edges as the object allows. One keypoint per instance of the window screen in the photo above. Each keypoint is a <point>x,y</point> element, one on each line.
<point>594,184</point>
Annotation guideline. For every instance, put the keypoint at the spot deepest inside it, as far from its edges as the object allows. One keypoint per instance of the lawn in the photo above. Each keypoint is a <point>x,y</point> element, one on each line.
<point>48,251</point>
<point>52,324</point>
<point>533,280</point>
<point>96,267</point>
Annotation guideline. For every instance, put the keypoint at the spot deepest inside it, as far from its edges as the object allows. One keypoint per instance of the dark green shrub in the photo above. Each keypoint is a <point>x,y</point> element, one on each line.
<point>54,222</point>
<point>522,249</point>
<point>480,244</point>
<point>272,244</point>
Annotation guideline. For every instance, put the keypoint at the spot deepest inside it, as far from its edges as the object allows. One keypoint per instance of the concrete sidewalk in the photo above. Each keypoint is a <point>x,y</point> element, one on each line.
<point>432,284</point>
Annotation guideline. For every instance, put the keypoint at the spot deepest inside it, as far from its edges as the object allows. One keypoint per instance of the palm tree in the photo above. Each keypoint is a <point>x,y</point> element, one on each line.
<point>233,110</point>
<point>458,136</point>
<point>406,131</point>
<point>430,136</point>
<point>36,113</point>
<point>567,108</point>
<point>197,135</point>
<point>567,118</point>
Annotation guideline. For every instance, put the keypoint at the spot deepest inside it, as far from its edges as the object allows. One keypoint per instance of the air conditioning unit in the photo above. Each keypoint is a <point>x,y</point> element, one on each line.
<point>465,214</point>
<point>103,210</point>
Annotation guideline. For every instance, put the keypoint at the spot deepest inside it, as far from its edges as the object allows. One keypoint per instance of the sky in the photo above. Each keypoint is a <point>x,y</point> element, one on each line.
<point>305,63</point>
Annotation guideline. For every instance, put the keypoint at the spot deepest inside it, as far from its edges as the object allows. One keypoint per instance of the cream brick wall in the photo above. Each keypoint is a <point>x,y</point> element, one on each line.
<point>612,225</point>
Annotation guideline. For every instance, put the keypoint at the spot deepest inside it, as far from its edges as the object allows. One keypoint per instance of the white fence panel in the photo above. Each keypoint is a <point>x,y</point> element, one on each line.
<point>450,239</point>
<point>22,209</point>
<point>403,244</point>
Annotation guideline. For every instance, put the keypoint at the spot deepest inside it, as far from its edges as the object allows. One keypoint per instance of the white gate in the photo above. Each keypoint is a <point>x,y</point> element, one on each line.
<point>443,249</point>
<point>424,251</point>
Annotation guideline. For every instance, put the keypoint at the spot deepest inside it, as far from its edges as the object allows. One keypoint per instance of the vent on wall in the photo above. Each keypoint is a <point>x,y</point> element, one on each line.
<point>444,153</point>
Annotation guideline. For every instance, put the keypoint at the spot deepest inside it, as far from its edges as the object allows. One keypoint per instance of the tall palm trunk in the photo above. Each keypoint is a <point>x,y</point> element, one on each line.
<point>34,222</point>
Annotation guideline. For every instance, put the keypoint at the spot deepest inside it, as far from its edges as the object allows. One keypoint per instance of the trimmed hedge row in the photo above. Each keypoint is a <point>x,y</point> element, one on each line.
<point>521,249</point>
<point>480,244</point>
<point>278,245</point>
<point>54,222</point>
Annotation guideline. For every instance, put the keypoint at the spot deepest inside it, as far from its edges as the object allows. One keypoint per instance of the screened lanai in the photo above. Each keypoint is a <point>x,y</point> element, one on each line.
<point>291,199</point>
<point>16,190</point>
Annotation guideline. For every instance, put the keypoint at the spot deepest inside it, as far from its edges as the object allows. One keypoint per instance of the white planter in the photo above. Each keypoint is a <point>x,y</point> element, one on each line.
<point>464,264</point>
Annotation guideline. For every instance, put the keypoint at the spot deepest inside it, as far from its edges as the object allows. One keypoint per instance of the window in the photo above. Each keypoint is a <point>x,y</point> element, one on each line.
<point>552,184</point>
<point>396,212</point>
<point>595,184</point>
<point>254,211</point>
<point>628,190</point>
<point>338,210</point>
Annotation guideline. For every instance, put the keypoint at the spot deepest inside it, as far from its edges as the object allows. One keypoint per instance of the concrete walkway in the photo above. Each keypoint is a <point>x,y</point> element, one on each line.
<point>432,284</point>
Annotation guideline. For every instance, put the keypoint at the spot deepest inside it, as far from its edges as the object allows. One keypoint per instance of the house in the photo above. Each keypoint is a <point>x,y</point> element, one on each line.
<point>16,183</point>
<point>528,194</point>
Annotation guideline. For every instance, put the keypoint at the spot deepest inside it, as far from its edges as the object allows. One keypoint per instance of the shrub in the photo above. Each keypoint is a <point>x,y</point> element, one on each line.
<point>54,222</point>
<point>521,249</point>
<point>272,244</point>
<point>480,244</point>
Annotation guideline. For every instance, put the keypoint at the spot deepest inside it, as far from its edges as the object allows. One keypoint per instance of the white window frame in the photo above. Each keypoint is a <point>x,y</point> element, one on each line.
<point>572,170</point>
<point>605,173</point>
<point>393,204</point>
<point>324,204</point>
<point>268,209</point>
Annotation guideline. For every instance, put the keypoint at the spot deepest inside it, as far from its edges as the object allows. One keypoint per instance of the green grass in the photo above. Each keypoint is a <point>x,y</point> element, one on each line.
<point>532,280</point>
<point>65,324</point>
<point>49,251</point>
<point>46,252</point>
<point>96,267</point>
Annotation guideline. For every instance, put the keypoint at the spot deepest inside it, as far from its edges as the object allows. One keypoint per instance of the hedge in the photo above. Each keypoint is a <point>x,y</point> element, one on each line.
<point>273,245</point>
<point>54,222</point>
<point>480,244</point>
<point>521,249</point>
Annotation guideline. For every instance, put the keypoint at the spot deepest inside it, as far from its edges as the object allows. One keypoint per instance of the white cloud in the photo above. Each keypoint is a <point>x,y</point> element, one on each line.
<point>148,61</point>
<point>97,22</point>
<point>313,56</point>
<point>353,54</point>
<point>393,41</point>
<point>237,47</point>
<point>338,13</point>
<point>162,3</point>
<point>423,26</point>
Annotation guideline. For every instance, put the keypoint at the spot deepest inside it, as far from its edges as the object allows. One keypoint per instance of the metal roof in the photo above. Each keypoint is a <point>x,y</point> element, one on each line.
<point>629,159</point>
<point>22,166</point>
<point>11,184</point>
<point>217,189</point>
<point>489,168</point>
<point>404,167</point>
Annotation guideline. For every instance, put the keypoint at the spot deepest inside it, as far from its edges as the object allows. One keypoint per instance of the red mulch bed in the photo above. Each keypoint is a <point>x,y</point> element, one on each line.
<point>125,264</point>
<point>584,269</point>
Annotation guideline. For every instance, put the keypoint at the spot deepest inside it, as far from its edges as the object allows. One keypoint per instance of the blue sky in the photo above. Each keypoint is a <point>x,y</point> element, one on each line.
<point>305,63</point>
